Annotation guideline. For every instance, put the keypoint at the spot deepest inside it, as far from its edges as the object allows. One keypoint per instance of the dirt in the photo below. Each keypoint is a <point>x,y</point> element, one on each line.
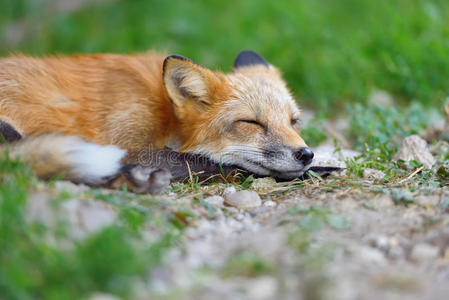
<point>387,252</point>
<point>334,239</point>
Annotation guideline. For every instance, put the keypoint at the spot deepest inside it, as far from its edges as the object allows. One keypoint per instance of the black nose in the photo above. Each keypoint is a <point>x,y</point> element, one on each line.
<point>304,155</point>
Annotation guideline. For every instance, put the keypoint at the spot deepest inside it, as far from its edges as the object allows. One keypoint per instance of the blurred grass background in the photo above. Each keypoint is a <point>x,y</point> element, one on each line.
<point>331,52</point>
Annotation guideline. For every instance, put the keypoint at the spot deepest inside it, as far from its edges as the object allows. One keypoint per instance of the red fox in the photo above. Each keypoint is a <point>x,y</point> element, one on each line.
<point>79,115</point>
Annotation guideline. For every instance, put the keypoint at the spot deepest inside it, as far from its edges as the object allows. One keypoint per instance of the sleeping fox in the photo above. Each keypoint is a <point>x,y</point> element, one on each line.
<point>80,115</point>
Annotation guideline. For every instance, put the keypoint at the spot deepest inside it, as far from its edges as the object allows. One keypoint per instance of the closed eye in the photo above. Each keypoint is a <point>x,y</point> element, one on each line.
<point>252,122</point>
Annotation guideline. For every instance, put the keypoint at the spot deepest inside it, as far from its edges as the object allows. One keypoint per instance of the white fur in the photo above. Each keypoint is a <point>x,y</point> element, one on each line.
<point>93,163</point>
<point>251,159</point>
<point>71,156</point>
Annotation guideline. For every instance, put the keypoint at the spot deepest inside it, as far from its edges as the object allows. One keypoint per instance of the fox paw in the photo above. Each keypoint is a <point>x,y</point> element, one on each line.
<point>146,179</point>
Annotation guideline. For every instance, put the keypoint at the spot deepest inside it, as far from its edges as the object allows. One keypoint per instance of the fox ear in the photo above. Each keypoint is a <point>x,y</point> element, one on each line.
<point>248,58</point>
<point>185,80</point>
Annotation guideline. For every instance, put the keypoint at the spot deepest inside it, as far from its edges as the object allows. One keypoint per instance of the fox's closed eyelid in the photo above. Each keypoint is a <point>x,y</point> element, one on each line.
<point>249,121</point>
<point>254,122</point>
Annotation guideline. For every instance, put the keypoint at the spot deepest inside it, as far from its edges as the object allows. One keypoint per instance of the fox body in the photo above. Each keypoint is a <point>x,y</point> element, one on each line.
<point>79,115</point>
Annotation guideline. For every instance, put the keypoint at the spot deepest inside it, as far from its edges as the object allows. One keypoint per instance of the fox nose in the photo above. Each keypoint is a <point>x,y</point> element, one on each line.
<point>304,155</point>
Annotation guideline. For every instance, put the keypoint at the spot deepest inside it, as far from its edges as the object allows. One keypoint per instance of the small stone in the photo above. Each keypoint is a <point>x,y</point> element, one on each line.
<point>415,148</point>
<point>259,210</point>
<point>70,187</point>
<point>269,203</point>
<point>94,215</point>
<point>86,216</point>
<point>262,183</point>
<point>380,202</point>
<point>396,252</point>
<point>39,209</point>
<point>229,190</point>
<point>263,287</point>
<point>379,241</point>
<point>380,98</point>
<point>216,200</point>
<point>327,156</point>
<point>370,255</point>
<point>243,199</point>
<point>373,174</point>
<point>424,252</point>
<point>231,210</point>
<point>427,200</point>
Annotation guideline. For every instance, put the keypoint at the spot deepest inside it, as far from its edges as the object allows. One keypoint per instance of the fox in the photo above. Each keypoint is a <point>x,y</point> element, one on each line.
<point>82,115</point>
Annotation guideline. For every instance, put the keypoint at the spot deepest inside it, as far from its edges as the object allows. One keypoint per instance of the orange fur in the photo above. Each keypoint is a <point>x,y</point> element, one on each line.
<point>106,99</point>
<point>142,100</point>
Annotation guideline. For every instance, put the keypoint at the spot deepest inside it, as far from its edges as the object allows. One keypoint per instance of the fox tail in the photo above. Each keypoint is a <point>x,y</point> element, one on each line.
<point>69,156</point>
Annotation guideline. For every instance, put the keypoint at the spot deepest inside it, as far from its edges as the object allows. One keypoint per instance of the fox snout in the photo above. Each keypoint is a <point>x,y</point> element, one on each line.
<point>304,155</point>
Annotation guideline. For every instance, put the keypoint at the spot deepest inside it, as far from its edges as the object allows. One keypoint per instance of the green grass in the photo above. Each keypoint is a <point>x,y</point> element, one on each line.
<point>331,52</point>
<point>384,127</point>
<point>34,267</point>
<point>377,132</point>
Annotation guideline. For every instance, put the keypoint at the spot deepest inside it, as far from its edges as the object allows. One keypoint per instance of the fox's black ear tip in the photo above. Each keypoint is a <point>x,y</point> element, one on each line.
<point>249,58</point>
<point>175,56</point>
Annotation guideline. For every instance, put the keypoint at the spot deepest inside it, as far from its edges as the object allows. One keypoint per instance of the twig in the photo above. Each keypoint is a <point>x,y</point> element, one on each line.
<point>411,175</point>
<point>190,171</point>
<point>210,178</point>
<point>197,173</point>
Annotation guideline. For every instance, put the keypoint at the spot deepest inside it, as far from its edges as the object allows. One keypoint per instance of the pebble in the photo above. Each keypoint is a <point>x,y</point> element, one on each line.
<point>414,147</point>
<point>216,201</point>
<point>263,183</point>
<point>231,210</point>
<point>229,190</point>
<point>259,210</point>
<point>70,187</point>
<point>325,156</point>
<point>396,252</point>
<point>369,255</point>
<point>381,202</point>
<point>427,200</point>
<point>243,199</point>
<point>424,252</point>
<point>269,203</point>
<point>380,98</point>
<point>373,174</point>
<point>93,215</point>
<point>85,216</point>
<point>379,241</point>
<point>263,287</point>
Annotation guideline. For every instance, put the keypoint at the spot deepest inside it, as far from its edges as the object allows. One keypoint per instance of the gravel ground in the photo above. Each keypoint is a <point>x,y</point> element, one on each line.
<point>331,239</point>
<point>387,251</point>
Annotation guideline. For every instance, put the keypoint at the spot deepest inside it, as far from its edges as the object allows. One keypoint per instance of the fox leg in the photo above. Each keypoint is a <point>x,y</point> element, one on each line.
<point>141,179</point>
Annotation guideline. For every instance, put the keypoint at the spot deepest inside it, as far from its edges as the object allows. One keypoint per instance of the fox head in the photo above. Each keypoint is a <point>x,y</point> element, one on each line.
<point>246,118</point>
